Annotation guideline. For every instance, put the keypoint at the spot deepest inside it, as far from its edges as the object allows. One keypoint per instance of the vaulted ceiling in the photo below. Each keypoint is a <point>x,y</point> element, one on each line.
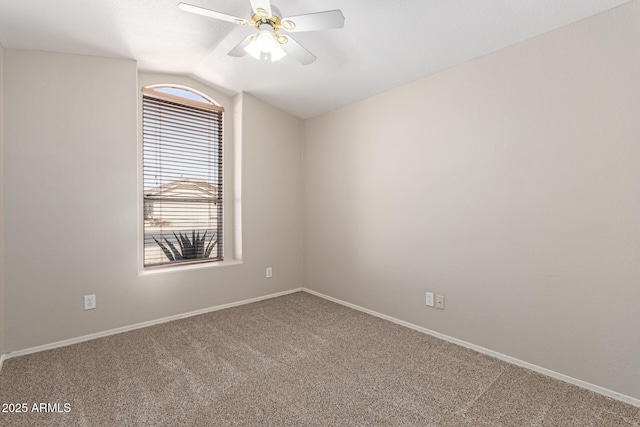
<point>383,44</point>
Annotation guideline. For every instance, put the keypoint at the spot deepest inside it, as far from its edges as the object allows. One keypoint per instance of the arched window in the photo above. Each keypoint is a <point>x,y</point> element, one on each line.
<point>182,174</point>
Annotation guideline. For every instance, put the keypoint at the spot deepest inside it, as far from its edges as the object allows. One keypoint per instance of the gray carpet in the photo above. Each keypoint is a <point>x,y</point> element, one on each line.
<point>294,360</point>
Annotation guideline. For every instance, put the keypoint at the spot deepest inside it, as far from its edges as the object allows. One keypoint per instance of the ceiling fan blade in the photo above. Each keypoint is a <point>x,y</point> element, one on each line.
<point>262,8</point>
<point>212,14</point>
<point>314,21</point>
<point>239,51</point>
<point>296,50</point>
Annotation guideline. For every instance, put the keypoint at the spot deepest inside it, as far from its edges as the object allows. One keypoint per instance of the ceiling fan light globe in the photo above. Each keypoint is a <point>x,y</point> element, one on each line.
<point>265,41</point>
<point>278,53</point>
<point>252,49</point>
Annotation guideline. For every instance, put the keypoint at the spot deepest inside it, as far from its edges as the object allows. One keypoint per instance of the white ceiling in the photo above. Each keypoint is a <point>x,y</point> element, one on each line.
<point>384,44</point>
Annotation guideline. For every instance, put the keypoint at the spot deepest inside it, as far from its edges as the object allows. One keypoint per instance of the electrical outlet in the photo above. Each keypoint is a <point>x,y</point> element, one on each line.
<point>269,272</point>
<point>430,299</point>
<point>89,302</point>
<point>440,302</point>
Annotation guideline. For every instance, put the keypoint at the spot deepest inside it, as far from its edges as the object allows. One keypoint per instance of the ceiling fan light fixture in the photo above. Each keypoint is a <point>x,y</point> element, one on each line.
<point>264,46</point>
<point>265,40</point>
<point>253,50</point>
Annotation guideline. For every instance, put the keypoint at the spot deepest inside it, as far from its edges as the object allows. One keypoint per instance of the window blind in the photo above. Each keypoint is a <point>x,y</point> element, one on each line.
<point>182,174</point>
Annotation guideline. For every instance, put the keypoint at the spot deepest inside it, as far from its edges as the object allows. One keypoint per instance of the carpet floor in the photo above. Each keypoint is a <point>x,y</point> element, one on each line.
<point>296,360</point>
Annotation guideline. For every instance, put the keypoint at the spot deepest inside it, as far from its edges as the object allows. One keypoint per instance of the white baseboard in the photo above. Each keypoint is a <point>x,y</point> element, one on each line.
<point>138,326</point>
<point>2,357</point>
<point>562,377</point>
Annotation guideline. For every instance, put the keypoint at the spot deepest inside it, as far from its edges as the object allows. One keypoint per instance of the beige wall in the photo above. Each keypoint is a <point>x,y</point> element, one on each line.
<point>272,188</point>
<point>510,185</point>
<point>72,205</point>
<point>2,303</point>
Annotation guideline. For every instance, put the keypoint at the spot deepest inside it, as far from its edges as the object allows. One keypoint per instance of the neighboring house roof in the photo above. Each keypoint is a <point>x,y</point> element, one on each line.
<point>183,189</point>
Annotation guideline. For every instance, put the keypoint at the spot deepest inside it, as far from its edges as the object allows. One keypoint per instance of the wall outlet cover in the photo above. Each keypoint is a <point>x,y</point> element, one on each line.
<point>89,302</point>
<point>430,300</point>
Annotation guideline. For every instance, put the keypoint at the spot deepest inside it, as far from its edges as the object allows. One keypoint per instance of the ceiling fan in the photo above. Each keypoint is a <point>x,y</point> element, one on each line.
<point>267,44</point>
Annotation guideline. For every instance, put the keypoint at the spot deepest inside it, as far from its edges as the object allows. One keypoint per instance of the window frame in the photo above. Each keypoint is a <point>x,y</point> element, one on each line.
<point>150,91</point>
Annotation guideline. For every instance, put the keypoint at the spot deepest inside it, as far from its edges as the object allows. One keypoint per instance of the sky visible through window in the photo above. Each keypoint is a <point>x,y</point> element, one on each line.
<point>184,93</point>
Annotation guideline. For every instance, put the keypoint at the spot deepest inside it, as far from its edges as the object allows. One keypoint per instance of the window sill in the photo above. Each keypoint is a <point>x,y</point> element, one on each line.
<point>180,268</point>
